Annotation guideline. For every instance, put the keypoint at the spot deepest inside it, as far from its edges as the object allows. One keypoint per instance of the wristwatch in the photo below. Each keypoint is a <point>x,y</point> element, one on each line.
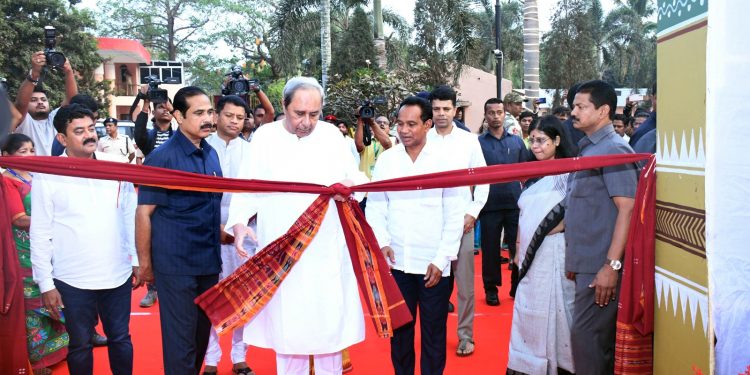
<point>614,263</point>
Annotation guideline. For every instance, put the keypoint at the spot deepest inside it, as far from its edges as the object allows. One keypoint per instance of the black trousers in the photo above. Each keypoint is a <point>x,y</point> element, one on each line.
<point>82,306</point>
<point>494,223</point>
<point>432,304</point>
<point>185,327</point>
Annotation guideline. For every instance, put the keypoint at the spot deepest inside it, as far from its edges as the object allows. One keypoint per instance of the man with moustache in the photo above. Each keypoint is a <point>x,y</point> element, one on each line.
<point>500,213</point>
<point>177,234</point>
<point>32,103</point>
<point>419,232</point>
<point>77,273</point>
<point>597,219</point>
<point>465,152</point>
<point>316,310</point>
<point>233,154</point>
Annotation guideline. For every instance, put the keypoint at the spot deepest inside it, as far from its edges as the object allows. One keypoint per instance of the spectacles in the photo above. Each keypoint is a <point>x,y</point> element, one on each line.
<point>539,141</point>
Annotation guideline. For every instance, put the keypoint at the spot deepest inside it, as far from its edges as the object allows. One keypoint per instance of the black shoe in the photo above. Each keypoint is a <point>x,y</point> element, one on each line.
<point>504,260</point>
<point>98,340</point>
<point>476,251</point>
<point>451,308</point>
<point>491,299</point>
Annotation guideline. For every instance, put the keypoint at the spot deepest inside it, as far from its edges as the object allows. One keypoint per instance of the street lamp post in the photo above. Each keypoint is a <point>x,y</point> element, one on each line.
<point>498,50</point>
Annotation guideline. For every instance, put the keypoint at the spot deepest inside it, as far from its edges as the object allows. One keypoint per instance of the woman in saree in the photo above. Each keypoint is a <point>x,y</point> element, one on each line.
<point>46,338</point>
<point>543,307</point>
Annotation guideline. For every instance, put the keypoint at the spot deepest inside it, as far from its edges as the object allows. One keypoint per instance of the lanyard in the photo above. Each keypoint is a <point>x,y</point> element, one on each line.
<point>18,176</point>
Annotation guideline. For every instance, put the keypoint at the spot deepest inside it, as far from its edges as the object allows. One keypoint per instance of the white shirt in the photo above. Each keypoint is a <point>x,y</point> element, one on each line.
<point>232,156</point>
<point>464,151</point>
<point>42,132</point>
<point>82,231</point>
<point>120,147</point>
<point>317,309</point>
<point>421,226</point>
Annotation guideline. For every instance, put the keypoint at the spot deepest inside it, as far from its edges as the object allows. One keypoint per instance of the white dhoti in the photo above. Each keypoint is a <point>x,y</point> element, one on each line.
<point>316,310</point>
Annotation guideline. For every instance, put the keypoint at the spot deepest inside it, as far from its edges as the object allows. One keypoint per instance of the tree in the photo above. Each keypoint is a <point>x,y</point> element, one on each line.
<point>346,94</point>
<point>446,34</point>
<point>325,40</point>
<point>531,48</point>
<point>568,50</point>
<point>630,51</point>
<point>22,32</point>
<point>481,55</point>
<point>165,27</point>
<point>355,48</point>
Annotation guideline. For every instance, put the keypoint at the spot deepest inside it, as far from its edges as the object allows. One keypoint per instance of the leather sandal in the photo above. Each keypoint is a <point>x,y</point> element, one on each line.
<point>465,348</point>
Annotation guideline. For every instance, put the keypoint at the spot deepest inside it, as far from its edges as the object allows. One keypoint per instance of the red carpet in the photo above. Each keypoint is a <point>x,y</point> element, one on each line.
<point>371,357</point>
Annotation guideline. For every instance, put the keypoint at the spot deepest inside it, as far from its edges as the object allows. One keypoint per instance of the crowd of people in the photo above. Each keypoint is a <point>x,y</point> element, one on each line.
<point>565,234</point>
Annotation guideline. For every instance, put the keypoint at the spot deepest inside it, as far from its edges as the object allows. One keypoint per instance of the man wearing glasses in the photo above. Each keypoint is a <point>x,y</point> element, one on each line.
<point>116,144</point>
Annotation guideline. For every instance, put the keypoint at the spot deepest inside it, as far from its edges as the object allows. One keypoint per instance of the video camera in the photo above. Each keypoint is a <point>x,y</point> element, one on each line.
<point>55,60</point>
<point>238,84</point>
<point>367,110</point>
<point>155,94</point>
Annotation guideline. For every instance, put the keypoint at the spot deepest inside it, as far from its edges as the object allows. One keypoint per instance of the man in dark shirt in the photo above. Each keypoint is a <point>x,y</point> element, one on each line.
<point>500,213</point>
<point>177,234</point>
<point>597,217</point>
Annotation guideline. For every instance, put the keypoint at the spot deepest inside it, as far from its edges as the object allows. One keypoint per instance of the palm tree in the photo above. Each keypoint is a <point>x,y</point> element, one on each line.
<point>630,38</point>
<point>325,40</point>
<point>377,11</point>
<point>531,48</point>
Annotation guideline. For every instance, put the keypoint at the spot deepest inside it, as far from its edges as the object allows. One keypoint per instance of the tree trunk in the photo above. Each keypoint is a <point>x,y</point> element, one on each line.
<point>531,48</point>
<point>379,40</point>
<point>325,40</point>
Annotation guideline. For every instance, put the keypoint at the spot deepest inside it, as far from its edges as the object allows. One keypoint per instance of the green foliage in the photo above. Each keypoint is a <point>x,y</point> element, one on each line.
<point>568,52</point>
<point>629,53</point>
<point>345,95</point>
<point>22,33</point>
<point>355,48</point>
<point>482,57</point>
<point>166,27</point>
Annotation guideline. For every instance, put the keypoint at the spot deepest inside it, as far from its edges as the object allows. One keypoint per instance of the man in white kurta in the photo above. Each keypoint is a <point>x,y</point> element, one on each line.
<point>419,232</point>
<point>465,152</point>
<point>316,310</point>
<point>234,153</point>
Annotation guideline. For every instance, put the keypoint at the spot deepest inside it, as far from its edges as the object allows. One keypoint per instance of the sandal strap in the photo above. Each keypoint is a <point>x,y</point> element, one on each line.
<point>243,371</point>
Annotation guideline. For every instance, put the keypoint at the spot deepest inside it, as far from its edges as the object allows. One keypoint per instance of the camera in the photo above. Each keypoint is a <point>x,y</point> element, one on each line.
<point>367,110</point>
<point>55,60</point>
<point>238,84</point>
<point>155,94</point>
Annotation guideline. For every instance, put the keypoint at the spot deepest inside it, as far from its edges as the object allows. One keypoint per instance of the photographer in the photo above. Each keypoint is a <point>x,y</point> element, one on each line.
<point>370,142</point>
<point>237,83</point>
<point>32,103</point>
<point>148,140</point>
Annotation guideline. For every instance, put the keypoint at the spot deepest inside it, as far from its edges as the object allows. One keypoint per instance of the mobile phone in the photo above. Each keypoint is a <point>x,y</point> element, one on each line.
<point>636,98</point>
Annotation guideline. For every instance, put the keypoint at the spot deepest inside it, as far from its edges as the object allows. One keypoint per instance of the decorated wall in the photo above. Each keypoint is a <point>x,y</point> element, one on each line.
<point>683,333</point>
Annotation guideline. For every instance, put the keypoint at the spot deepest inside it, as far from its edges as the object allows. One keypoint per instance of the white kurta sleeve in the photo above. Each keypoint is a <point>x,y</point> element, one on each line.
<point>41,231</point>
<point>453,220</point>
<point>480,191</point>
<point>377,206</point>
<point>128,203</point>
<point>243,206</point>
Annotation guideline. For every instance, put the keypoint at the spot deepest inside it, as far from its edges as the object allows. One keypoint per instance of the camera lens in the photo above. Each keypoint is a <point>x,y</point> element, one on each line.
<point>239,87</point>
<point>55,59</point>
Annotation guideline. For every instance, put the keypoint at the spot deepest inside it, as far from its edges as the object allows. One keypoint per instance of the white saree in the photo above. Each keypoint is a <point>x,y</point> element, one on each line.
<point>543,308</point>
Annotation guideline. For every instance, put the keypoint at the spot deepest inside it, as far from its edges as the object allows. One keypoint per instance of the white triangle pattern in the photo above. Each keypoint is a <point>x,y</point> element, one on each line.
<point>690,153</point>
<point>687,297</point>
